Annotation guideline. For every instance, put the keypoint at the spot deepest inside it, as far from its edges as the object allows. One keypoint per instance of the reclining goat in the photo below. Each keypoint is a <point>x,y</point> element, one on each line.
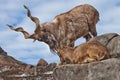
<point>84,53</point>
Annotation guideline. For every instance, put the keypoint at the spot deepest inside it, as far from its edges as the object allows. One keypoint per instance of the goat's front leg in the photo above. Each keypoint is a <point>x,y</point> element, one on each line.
<point>87,37</point>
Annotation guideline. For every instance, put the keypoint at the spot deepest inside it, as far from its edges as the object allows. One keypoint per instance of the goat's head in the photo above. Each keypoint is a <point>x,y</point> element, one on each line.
<point>49,39</point>
<point>40,33</point>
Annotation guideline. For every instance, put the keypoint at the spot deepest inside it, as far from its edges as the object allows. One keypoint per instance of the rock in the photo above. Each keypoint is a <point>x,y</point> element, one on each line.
<point>105,70</point>
<point>108,69</point>
<point>114,47</point>
<point>111,41</point>
<point>105,38</point>
<point>45,69</point>
<point>29,69</point>
<point>2,52</point>
<point>10,66</point>
<point>42,62</point>
<point>51,67</point>
<point>9,60</point>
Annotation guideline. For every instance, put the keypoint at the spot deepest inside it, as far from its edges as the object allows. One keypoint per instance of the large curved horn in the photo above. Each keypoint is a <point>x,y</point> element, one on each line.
<point>34,19</point>
<point>25,33</point>
<point>19,29</point>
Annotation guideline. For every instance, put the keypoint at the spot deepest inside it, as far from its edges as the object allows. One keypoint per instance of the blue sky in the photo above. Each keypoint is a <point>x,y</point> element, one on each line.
<point>12,12</point>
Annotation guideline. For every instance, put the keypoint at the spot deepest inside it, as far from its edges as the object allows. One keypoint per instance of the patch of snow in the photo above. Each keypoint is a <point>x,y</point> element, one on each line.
<point>50,72</point>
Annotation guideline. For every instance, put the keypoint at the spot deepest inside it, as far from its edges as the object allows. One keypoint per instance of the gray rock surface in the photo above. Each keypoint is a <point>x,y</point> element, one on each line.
<point>111,41</point>
<point>105,38</point>
<point>2,52</point>
<point>105,70</point>
<point>108,69</point>
<point>42,62</point>
<point>114,47</point>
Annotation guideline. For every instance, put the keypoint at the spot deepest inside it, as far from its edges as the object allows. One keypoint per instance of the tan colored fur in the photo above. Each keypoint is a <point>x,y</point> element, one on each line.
<point>84,53</point>
<point>65,28</point>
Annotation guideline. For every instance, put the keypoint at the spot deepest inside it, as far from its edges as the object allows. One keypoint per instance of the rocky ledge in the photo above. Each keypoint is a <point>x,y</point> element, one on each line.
<point>12,69</point>
<point>108,69</point>
<point>103,70</point>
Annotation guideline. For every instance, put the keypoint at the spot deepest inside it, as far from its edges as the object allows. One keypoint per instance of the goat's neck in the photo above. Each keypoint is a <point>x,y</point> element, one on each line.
<point>53,29</point>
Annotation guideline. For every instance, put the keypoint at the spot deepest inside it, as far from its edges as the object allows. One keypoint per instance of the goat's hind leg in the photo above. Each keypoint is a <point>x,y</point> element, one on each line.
<point>93,30</point>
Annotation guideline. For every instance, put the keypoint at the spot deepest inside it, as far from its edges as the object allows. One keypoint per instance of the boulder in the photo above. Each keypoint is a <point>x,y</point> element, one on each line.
<point>46,69</point>
<point>105,38</point>
<point>108,69</point>
<point>28,67</point>
<point>2,52</point>
<point>51,67</point>
<point>114,47</point>
<point>42,63</point>
<point>111,41</point>
<point>103,70</point>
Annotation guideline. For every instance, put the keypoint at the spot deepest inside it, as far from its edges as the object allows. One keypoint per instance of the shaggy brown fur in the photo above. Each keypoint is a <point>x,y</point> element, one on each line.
<point>86,52</point>
<point>65,28</point>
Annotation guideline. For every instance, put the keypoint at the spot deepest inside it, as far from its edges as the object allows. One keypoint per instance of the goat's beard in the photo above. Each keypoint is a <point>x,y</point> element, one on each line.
<point>49,39</point>
<point>52,42</point>
<point>52,46</point>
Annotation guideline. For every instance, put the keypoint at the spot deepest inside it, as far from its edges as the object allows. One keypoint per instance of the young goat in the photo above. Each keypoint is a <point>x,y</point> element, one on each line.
<point>84,53</point>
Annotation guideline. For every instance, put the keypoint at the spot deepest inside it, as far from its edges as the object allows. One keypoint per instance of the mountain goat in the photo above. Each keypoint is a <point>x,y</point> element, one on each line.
<point>84,53</point>
<point>65,28</point>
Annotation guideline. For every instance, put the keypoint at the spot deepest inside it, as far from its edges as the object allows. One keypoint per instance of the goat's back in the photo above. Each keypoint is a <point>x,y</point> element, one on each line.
<point>91,50</point>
